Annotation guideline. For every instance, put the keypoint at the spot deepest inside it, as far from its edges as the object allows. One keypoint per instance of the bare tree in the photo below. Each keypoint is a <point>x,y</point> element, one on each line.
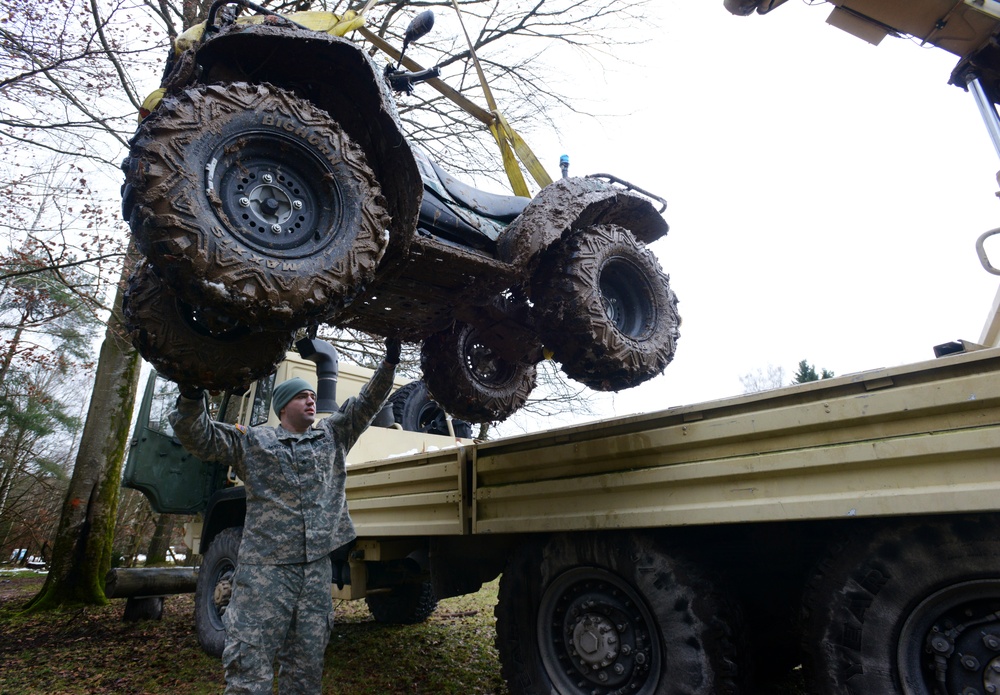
<point>764,379</point>
<point>69,71</point>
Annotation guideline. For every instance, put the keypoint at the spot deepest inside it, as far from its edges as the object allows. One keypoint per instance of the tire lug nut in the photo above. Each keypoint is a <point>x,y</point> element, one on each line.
<point>970,662</point>
<point>267,178</point>
<point>276,228</point>
<point>297,204</point>
<point>245,202</point>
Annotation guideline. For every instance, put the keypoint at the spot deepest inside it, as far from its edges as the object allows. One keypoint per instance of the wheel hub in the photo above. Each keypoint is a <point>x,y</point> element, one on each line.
<point>596,636</point>
<point>271,205</point>
<point>957,632</point>
<point>596,641</point>
<point>223,592</point>
<point>277,197</point>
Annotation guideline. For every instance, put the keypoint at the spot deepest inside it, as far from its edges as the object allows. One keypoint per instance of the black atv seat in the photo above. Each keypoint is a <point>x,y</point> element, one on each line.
<point>493,205</point>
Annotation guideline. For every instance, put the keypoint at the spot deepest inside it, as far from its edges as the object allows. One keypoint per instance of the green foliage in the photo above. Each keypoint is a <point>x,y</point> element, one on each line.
<point>807,372</point>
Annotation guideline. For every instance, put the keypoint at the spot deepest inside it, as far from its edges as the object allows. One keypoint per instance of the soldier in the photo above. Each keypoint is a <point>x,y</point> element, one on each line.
<point>294,474</point>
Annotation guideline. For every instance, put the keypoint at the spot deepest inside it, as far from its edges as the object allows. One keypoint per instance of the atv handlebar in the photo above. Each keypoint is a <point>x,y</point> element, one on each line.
<point>402,81</point>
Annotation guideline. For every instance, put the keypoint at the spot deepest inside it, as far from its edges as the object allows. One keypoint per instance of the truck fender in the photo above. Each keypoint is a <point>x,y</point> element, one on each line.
<point>576,203</point>
<point>226,508</point>
<point>352,91</point>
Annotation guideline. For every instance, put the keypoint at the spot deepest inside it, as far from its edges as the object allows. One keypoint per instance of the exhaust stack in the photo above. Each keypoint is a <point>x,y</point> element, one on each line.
<point>325,357</point>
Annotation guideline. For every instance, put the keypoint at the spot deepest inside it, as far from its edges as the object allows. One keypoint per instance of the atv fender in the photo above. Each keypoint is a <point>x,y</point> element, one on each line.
<point>340,78</point>
<point>575,203</point>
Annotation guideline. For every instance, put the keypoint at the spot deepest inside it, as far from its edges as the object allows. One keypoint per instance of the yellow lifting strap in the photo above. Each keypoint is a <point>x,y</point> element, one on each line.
<point>327,22</point>
<point>512,146</point>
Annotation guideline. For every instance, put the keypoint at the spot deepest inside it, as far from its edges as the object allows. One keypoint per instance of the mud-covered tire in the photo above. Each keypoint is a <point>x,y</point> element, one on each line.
<point>405,604</point>
<point>217,569</point>
<point>612,613</point>
<point>187,346</point>
<point>414,410</point>
<point>908,609</point>
<point>254,202</point>
<point>606,308</point>
<point>470,379</point>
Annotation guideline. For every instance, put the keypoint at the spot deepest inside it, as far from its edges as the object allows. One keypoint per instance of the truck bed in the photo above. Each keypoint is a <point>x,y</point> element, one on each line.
<point>914,439</point>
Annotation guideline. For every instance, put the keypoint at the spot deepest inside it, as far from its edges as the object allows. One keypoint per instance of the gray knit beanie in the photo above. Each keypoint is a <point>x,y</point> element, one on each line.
<point>287,390</point>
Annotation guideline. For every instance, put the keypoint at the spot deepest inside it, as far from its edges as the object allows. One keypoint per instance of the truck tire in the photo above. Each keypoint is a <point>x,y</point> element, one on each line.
<point>911,608</point>
<point>405,604</point>
<point>415,411</point>
<point>191,347</point>
<point>255,203</point>
<point>214,589</point>
<point>615,613</point>
<point>470,379</point>
<point>606,309</point>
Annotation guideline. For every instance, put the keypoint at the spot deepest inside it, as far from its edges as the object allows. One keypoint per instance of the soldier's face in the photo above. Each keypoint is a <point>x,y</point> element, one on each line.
<point>300,412</point>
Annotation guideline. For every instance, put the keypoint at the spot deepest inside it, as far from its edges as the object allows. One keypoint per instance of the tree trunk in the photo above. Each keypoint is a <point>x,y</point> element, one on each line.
<point>81,554</point>
<point>159,544</point>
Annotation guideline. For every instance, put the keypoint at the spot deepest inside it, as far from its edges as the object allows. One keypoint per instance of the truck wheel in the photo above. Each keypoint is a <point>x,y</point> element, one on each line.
<point>192,347</point>
<point>415,411</point>
<point>470,379</point>
<point>215,588</point>
<point>256,204</point>
<point>913,608</point>
<point>606,309</point>
<point>405,604</point>
<point>612,614</point>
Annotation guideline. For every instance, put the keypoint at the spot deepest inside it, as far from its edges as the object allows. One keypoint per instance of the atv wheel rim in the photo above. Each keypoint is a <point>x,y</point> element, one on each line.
<point>627,298</point>
<point>486,366</point>
<point>277,197</point>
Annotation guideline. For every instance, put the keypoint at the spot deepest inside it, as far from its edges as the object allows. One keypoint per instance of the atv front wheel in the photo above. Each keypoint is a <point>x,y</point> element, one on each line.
<point>470,379</point>
<point>606,309</point>
<point>255,203</point>
<point>192,347</point>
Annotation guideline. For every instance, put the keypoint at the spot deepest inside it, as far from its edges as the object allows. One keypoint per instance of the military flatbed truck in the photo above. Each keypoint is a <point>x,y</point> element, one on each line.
<point>849,524</point>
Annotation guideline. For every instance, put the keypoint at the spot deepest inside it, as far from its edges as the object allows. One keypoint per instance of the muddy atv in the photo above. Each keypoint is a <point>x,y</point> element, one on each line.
<point>266,198</point>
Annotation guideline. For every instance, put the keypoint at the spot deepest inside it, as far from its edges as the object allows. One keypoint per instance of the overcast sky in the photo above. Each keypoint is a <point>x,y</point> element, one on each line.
<point>825,194</point>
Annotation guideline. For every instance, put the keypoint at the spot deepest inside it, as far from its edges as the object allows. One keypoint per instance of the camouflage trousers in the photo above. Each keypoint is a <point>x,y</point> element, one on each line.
<point>280,613</point>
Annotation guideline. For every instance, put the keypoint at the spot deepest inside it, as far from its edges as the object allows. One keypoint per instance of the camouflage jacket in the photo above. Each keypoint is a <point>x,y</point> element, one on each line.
<point>296,509</point>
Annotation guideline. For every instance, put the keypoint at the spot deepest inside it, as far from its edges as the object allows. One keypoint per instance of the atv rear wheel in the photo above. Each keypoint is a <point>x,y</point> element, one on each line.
<point>193,347</point>
<point>470,379</point>
<point>255,203</point>
<point>606,309</point>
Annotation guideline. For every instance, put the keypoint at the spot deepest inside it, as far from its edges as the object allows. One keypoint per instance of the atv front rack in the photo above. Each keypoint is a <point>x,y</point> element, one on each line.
<point>631,187</point>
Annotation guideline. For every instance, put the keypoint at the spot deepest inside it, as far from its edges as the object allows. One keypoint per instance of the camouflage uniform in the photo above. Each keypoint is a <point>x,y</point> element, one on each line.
<point>296,516</point>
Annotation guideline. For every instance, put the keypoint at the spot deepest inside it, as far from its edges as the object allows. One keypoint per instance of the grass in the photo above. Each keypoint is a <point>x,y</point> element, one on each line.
<point>91,650</point>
